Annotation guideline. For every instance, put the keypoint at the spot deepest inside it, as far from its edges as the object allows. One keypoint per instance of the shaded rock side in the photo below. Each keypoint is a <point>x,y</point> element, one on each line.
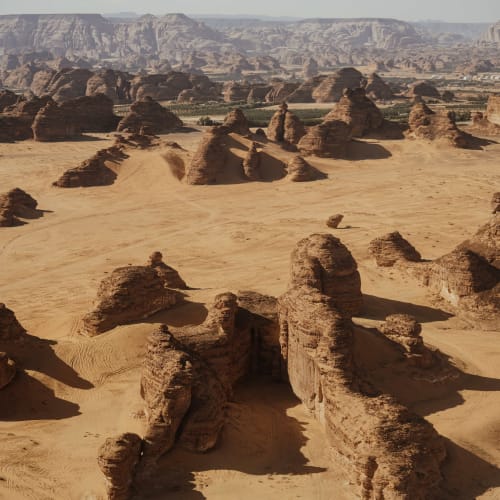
<point>170,277</point>
<point>251,163</point>
<point>324,263</point>
<point>149,117</point>
<point>328,139</point>
<point>237,123</point>
<point>129,294</point>
<point>210,157</point>
<point>55,123</point>
<point>358,111</point>
<point>16,203</point>
<point>388,451</point>
<point>299,170</point>
<point>392,248</point>
<point>95,171</point>
<point>117,458</point>
<point>10,328</point>
<point>7,370</point>
<point>423,89</point>
<point>285,126</point>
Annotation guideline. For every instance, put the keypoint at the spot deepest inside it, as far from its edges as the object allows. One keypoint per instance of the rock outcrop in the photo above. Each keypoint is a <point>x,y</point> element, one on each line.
<point>149,117</point>
<point>493,109</point>
<point>488,122</point>
<point>377,89</point>
<point>99,170</point>
<point>358,111</point>
<point>251,163</point>
<point>324,263</point>
<point>285,127</point>
<point>117,458</point>
<point>16,203</point>
<point>495,203</point>
<point>7,98</point>
<point>332,87</point>
<point>55,123</point>
<point>427,124</point>
<point>210,157</point>
<point>298,170</point>
<point>237,123</point>
<point>7,370</point>
<point>423,89</point>
<point>128,294</point>
<point>328,139</point>
<point>391,248</point>
<point>385,449</point>
<point>169,275</point>
<point>10,328</point>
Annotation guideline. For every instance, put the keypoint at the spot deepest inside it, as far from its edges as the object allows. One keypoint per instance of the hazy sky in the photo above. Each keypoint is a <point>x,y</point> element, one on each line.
<point>447,10</point>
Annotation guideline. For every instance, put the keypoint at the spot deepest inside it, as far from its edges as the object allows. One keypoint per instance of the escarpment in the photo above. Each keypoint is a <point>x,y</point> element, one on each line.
<point>388,451</point>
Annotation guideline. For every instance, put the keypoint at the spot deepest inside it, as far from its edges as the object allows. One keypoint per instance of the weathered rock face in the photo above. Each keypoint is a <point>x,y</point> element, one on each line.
<point>423,89</point>
<point>10,328</point>
<point>304,92</point>
<point>251,163</point>
<point>328,139</point>
<point>482,124</point>
<point>493,109</point>
<point>332,87</point>
<point>95,171</point>
<point>169,275</point>
<point>285,127</point>
<point>334,221</point>
<point>16,203</point>
<point>68,84</point>
<point>427,124</point>
<point>310,68</point>
<point>54,123</point>
<point>359,112</point>
<point>392,248</point>
<point>7,370</point>
<point>210,157</point>
<point>129,294</point>
<point>299,170</point>
<point>7,98</point>
<point>495,203</point>
<point>323,263</point>
<point>149,117</point>
<point>113,84</point>
<point>117,458</point>
<point>317,346</point>
<point>280,92</point>
<point>94,113</point>
<point>237,123</point>
<point>236,91</point>
<point>377,89</point>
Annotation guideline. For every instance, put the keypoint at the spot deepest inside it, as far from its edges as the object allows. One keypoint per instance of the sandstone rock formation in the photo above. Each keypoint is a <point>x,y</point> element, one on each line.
<point>391,248</point>
<point>237,123</point>
<point>16,203</point>
<point>406,331</point>
<point>54,123</point>
<point>323,263</point>
<point>493,109</point>
<point>328,139</point>
<point>95,171</point>
<point>489,122</point>
<point>495,203</point>
<point>7,370</point>
<point>331,88</point>
<point>280,91</point>
<point>251,163</point>
<point>149,117</point>
<point>210,157</point>
<point>10,328</point>
<point>117,458</point>
<point>423,89</point>
<point>169,275</point>
<point>285,127</point>
<point>377,89</point>
<point>334,221</point>
<point>128,294</point>
<point>386,450</point>
<point>298,170</point>
<point>113,84</point>
<point>359,112</point>
<point>427,124</point>
<point>7,98</point>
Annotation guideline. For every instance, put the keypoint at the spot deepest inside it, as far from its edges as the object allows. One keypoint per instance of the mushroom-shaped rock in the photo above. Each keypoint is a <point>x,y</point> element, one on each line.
<point>210,157</point>
<point>149,116</point>
<point>236,122</point>
<point>285,126</point>
<point>251,163</point>
<point>299,170</point>
<point>169,275</point>
<point>7,370</point>
<point>328,139</point>
<point>358,111</point>
<point>117,458</point>
<point>10,328</point>
<point>324,263</point>
<point>392,248</point>
<point>129,294</point>
<point>334,221</point>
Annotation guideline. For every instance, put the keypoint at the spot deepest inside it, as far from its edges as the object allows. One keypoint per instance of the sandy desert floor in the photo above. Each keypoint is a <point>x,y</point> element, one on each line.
<point>77,391</point>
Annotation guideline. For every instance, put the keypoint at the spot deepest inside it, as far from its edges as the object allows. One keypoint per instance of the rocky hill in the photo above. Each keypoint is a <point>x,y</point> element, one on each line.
<point>492,34</point>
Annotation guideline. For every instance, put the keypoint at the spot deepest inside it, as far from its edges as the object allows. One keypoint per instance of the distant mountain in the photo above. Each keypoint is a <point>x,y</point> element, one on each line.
<point>469,31</point>
<point>492,33</point>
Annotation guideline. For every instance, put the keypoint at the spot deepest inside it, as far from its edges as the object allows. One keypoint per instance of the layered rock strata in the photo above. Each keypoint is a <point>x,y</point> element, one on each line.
<point>328,139</point>
<point>392,248</point>
<point>237,123</point>
<point>298,170</point>
<point>285,127</point>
